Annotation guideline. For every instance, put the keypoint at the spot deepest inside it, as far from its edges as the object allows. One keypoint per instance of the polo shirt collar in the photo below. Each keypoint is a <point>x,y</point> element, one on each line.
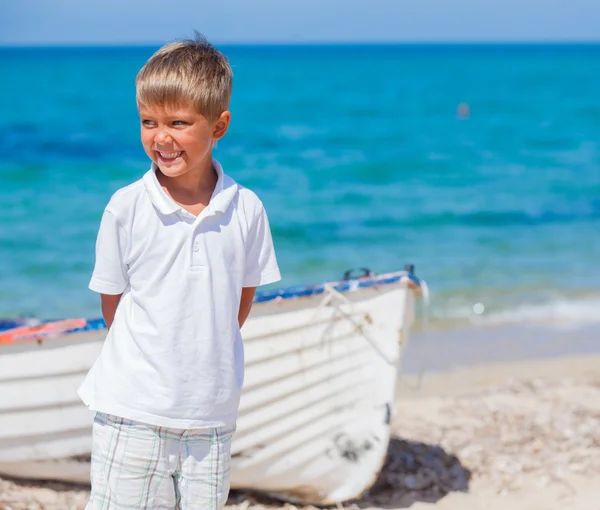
<point>225,191</point>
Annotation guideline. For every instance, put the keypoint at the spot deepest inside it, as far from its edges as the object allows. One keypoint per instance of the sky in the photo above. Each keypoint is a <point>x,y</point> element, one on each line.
<point>114,22</point>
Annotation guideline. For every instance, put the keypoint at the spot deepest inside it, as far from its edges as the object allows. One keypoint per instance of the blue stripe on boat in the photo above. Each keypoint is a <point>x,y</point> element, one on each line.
<point>261,297</point>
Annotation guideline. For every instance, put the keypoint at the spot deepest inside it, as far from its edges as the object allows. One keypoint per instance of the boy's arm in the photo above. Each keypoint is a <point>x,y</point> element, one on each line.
<point>109,307</point>
<point>246,304</point>
<point>261,263</point>
<point>110,278</point>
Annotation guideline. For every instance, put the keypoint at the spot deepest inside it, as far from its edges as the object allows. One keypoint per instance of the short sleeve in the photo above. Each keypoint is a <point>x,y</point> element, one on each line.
<point>261,263</point>
<point>110,271</point>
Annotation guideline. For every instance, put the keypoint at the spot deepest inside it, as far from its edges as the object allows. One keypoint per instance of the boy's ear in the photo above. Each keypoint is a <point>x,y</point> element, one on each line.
<point>222,125</point>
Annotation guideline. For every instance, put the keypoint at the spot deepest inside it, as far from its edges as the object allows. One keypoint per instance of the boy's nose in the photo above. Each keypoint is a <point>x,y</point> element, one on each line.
<point>163,137</point>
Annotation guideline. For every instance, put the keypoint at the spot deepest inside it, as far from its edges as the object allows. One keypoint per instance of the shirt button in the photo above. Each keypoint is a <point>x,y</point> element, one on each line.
<point>196,247</point>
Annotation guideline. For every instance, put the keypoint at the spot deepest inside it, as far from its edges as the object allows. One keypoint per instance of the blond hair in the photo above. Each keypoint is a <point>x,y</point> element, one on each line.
<point>187,71</point>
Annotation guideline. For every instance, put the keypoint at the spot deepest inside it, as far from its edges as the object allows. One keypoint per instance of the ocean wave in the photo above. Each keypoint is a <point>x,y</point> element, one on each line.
<point>560,312</point>
<point>564,312</point>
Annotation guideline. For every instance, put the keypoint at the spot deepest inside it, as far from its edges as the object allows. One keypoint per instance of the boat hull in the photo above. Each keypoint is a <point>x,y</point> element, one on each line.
<point>314,422</point>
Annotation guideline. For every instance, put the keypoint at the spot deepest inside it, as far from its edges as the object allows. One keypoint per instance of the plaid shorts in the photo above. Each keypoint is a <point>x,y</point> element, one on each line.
<point>139,466</point>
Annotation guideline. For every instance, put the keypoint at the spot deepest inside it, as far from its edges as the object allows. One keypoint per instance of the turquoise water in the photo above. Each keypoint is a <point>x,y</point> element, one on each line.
<point>358,155</point>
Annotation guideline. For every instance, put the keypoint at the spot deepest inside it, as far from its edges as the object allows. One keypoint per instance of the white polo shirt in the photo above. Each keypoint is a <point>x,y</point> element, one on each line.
<point>174,354</point>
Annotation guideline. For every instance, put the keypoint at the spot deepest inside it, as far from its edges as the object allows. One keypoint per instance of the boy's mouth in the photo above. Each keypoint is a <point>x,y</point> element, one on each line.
<point>168,156</point>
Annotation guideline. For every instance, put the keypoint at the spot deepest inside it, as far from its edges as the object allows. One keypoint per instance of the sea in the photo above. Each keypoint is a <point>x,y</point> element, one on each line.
<point>478,164</point>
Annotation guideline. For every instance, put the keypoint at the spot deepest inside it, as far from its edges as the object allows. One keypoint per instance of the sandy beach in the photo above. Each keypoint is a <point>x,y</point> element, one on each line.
<point>516,435</point>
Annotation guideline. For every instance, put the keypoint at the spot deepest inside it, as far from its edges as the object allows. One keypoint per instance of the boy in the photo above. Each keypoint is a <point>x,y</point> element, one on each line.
<point>179,255</point>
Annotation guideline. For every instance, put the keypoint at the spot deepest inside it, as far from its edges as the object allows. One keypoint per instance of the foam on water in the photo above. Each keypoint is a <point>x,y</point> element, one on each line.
<point>557,313</point>
<point>560,313</point>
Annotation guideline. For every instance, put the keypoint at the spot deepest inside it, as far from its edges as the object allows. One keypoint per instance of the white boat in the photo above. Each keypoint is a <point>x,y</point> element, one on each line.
<point>321,370</point>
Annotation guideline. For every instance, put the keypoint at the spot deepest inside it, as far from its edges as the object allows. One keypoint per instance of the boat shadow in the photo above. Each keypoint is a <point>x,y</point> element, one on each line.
<point>413,472</point>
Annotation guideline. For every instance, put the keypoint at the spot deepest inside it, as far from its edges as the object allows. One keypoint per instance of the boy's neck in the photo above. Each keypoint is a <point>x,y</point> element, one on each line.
<point>192,188</point>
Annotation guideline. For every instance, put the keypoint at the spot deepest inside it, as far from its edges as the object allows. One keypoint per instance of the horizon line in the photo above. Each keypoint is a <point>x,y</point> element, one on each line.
<point>107,45</point>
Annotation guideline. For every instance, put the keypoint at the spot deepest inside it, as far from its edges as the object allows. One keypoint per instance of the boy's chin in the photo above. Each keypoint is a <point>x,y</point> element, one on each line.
<point>171,170</point>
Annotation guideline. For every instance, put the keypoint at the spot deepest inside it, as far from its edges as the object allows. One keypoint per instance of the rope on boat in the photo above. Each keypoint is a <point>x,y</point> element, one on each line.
<point>425,322</point>
<point>426,302</point>
<point>337,299</point>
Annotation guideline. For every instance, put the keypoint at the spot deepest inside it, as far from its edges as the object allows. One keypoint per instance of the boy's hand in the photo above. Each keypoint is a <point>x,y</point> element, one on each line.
<point>109,307</point>
<point>246,304</point>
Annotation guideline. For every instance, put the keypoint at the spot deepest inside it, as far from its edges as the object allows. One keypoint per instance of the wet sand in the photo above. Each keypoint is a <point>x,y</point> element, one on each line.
<point>523,435</point>
<point>437,350</point>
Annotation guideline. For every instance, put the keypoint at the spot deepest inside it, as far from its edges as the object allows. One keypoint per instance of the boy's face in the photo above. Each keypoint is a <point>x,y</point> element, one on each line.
<point>179,139</point>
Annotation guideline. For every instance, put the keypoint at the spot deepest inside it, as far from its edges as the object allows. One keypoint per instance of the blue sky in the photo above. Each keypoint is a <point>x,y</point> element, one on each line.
<point>26,22</point>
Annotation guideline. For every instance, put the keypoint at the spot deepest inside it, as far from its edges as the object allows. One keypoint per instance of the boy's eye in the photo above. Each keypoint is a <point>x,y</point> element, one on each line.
<point>179,122</point>
<point>147,122</point>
